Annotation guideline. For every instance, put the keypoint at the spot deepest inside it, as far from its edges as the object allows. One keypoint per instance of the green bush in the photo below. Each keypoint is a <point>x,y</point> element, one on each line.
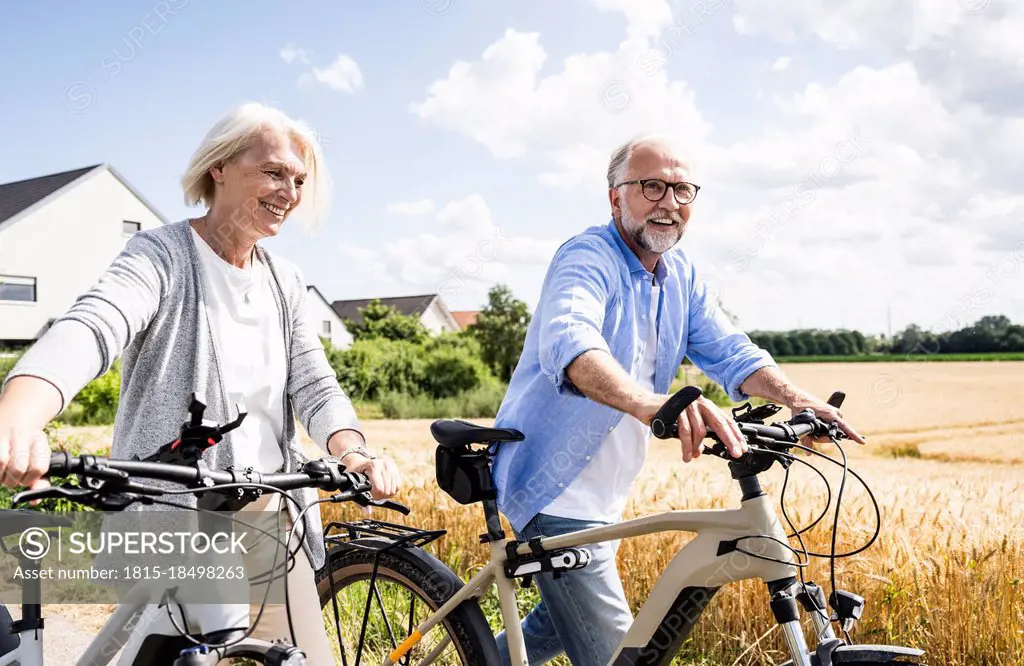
<point>481,402</point>
<point>448,372</point>
<point>442,367</point>
<point>7,363</point>
<point>375,366</point>
<point>98,399</point>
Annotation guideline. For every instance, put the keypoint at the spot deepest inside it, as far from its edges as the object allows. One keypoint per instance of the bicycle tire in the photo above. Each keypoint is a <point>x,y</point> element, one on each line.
<point>423,575</point>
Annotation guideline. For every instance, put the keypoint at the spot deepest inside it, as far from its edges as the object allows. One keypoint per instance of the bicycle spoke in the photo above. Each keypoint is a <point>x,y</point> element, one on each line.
<point>366,613</point>
<point>337,620</point>
<point>384,614</point>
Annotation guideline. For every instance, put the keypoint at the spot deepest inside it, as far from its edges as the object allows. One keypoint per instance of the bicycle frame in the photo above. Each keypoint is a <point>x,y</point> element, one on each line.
<point>115,634</point>
<point>682,592</point>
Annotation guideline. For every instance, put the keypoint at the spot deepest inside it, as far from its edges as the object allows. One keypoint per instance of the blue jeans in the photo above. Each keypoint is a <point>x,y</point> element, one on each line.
<point>584,613</point>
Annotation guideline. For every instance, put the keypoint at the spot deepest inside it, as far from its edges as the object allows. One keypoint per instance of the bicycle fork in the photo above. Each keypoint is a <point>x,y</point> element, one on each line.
<point>784,605</point>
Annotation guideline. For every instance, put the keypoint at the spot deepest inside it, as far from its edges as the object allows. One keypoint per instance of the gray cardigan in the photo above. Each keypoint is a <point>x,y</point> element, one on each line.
<point>149,310</point>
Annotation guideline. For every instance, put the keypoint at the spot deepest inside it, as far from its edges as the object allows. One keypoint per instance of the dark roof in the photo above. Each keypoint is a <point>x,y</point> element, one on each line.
<point>407,305</point>
<point>19,195</point>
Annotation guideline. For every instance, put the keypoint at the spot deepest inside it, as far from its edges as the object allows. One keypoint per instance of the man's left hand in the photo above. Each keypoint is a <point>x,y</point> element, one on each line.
<point>826,413</point>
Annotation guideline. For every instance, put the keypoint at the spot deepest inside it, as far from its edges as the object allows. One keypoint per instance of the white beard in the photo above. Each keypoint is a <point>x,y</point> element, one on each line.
<point>645,237</point>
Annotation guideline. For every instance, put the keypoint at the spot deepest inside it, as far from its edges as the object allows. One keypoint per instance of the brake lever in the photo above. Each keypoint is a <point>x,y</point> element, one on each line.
<point>113,501</point>
<point>50,492</point>
<point>718,449</point>
<point>364,499</point>
<point>391,505</point>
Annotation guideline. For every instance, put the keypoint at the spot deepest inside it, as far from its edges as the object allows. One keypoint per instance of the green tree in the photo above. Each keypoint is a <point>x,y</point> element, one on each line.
<point>500,328</point>
<point>782,347</point>
<point>809,341</point>
<point>384,321</point>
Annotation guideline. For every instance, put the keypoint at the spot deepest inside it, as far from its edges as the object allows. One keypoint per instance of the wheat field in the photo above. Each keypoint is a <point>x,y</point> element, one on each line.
<point>945,460</point>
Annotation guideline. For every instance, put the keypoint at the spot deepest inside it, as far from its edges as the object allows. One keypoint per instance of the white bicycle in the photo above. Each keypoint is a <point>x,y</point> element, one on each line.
<point>113,485</point>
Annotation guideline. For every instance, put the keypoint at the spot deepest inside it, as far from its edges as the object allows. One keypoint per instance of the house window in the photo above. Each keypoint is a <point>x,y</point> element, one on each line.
<point>15,288</point>
<point>129,228</point>
<point>326,328</point>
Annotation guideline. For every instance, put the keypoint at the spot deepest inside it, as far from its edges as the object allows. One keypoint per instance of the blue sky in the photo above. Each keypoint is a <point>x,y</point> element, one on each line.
<point>893,116</point>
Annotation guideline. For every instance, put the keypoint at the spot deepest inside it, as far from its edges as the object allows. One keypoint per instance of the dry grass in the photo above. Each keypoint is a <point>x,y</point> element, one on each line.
<point>947,572</point>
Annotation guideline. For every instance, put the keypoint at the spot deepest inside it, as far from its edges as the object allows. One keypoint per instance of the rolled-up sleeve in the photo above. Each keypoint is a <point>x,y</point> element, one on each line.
<point>716,346</point>
<point>573,303</point>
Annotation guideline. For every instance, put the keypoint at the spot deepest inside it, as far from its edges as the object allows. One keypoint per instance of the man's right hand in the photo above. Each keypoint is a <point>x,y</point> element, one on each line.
<point>24,457</point>
<point>697,419</point>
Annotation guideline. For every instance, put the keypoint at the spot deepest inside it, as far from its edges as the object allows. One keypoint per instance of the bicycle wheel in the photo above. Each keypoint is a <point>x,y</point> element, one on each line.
<point>384,593</point>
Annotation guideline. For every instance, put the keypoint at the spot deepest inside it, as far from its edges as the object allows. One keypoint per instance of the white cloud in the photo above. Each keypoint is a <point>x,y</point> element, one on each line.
<point>290,54</point>
<point>577,114</point>
<point>462,254</point>
<point>342,75</point>
<point>420,207</point>
<point>972,48</point>
<point>358,256</point>
<point>894,184</point>
<point>644,18</point>
<point>873,191</point>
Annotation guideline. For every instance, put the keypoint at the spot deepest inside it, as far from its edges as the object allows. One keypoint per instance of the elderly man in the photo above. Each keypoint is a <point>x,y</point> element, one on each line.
<point>620,307</point>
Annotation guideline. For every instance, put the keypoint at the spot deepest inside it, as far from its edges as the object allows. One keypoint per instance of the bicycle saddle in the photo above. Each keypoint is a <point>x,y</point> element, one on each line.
<point>456,433</point>
<point>14,521</point>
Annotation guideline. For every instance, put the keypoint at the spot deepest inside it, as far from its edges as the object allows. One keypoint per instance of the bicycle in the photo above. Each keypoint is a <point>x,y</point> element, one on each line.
<point>730,545</point>
<point>113,485</point>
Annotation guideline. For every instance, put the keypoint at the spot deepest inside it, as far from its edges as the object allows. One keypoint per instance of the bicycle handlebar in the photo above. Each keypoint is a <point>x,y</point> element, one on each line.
<point>665,424</point>
<point>111,481</point>
<point>324,474</point>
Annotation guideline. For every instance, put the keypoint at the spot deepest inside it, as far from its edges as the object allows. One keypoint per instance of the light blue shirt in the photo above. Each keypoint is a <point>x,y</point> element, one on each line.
<point>597,295</point>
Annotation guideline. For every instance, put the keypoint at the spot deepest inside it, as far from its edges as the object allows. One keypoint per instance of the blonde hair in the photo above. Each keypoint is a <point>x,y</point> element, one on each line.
<point>234,133</point>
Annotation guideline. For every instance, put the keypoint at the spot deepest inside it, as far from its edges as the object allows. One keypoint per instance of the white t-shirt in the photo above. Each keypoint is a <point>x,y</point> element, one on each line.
<point>600,490</point>
<point>249,341</point>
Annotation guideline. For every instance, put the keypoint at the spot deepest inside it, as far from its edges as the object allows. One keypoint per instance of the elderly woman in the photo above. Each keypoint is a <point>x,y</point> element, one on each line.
<point>199,305</point>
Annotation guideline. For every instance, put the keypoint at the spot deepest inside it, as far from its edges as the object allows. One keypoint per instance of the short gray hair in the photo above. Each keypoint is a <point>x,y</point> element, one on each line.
<point>234,133</point>
<point>619,162</point>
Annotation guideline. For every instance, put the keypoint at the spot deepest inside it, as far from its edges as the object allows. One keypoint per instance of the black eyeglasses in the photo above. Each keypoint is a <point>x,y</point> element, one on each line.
<point>654,189</point>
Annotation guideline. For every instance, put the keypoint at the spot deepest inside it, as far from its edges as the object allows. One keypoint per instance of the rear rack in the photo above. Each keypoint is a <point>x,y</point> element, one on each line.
<point>399,536</point>
<point>352,535</point>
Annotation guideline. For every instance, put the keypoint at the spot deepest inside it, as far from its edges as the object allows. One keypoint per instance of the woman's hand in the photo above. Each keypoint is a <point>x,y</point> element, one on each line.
<point>26,406</point>
<point>382,473</point>
<point>24,457</point>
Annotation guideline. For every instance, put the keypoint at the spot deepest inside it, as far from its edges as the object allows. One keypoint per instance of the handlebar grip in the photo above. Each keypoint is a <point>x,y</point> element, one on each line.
<point>664,424</point>
<point>60,463</point>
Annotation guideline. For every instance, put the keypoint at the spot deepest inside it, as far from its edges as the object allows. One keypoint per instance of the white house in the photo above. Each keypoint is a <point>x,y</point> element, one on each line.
<point>430,308</point>
<point>58,234</point>
<point>326,321</point>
